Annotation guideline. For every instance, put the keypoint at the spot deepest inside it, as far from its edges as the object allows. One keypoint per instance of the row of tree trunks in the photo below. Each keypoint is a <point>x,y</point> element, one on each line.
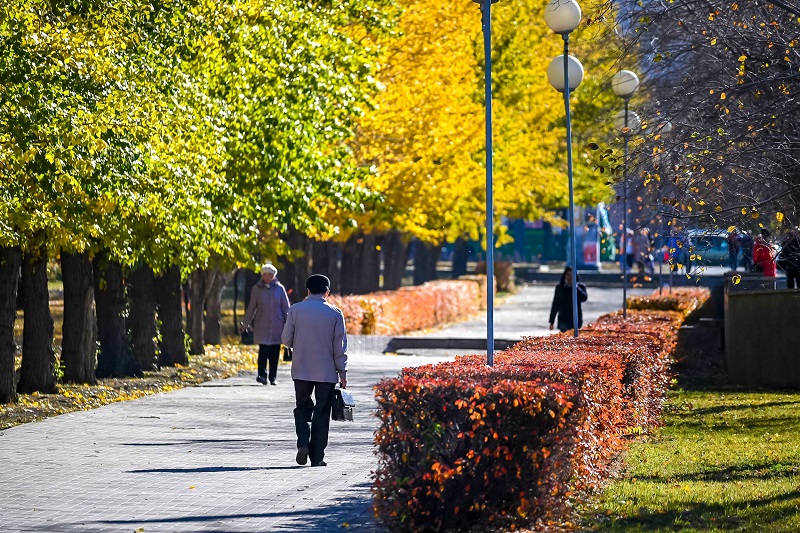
<point>212,327</point>
<point>204,313</point>
<point>295,272</point>
<point>325,260</point>
<point>78,345</point>
<point>251,277</point>
<point>361,267</point>
<point>87,284</point>
<point>10,259</point>
<point>38,372</point>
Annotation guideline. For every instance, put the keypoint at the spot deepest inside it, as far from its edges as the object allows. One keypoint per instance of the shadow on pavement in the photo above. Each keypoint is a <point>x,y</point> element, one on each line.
<point>211,469</point>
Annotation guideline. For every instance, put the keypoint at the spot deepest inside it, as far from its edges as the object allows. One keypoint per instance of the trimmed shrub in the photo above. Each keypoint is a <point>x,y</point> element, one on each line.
<point>503,274</point>
<point>492,446</point>
<point>412,308</point>
<point>684,300</point>
<point>466,447</point>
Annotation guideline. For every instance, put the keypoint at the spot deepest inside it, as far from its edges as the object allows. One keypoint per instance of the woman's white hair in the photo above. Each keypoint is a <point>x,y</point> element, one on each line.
<point>269,267</point>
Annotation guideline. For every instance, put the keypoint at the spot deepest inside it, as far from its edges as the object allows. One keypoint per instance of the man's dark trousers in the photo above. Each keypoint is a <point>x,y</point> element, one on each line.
<point>316,413</point>
<point>271,353</point>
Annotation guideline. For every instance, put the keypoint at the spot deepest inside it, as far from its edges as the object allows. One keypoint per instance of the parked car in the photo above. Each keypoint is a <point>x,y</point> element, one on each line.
<point>710,247</point>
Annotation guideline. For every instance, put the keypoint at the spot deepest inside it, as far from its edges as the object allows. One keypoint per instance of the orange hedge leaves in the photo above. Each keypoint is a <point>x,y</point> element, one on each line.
<point>682,299</point>
<point>412,308</point>
<point>463,446</point>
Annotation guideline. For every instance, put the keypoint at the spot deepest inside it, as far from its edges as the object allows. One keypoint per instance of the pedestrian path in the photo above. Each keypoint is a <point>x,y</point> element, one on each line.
<point>219,457</point>
<point>213,458</point>
<point>526,314</point>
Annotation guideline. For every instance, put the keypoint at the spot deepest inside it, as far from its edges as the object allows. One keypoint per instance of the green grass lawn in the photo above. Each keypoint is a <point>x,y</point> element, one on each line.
<point>726,459</point>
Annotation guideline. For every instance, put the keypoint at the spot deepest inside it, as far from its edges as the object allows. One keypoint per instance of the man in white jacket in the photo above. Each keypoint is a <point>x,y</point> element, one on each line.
<point>315,330</point>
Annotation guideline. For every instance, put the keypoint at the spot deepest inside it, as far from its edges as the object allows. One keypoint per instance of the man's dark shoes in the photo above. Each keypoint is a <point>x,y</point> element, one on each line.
<point>262,380</point>
<point>302,456</point>
<point>319,463</point>
<point>272,382</point>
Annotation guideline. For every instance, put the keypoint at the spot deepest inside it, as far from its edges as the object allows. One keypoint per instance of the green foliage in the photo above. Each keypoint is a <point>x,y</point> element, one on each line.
<point>177,132</point>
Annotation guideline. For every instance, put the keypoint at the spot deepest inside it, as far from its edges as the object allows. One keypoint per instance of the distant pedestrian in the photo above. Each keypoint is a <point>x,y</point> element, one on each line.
<point>789,260</point>
<point>315,330</point>
<point>562,302</point>
<point>678,247</point>
<point>629,256</point>
<point>764,255</point>
<point>746,242</point>
<point>267,311</point>
<point>734,245</point>
<point>641,251</point>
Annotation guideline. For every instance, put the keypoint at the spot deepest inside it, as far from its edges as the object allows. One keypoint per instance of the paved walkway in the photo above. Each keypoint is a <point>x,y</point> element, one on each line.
<point>217,457</point>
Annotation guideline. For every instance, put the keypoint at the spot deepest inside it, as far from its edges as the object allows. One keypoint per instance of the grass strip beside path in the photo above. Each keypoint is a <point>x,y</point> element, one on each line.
<point>217,363</point>
<point>726,460</point>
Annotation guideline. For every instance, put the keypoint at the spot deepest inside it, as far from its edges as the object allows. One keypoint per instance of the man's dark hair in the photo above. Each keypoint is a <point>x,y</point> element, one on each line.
<point>764,232</point>
<point>318,284</point>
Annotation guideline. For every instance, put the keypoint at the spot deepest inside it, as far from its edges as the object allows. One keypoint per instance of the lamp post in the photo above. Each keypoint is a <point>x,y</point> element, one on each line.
<point>486,25</point>
<point>624,84</point>
<point>664,128</point>
<point>563,16</point>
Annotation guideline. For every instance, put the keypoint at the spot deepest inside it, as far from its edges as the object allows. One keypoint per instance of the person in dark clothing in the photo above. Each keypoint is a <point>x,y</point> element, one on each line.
<point>746,241</point>
<point>316,331</point>
<point>734,241</point>
<point>789,260</point>
<point>562,302</point>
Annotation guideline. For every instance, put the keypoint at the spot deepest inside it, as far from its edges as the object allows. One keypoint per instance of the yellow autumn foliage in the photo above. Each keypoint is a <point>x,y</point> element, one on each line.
<point>427,125</point>
<point>425,137</point>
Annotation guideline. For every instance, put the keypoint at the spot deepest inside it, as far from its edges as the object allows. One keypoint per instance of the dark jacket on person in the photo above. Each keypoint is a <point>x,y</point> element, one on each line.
<point>789,258</point>
<point>562,303</point>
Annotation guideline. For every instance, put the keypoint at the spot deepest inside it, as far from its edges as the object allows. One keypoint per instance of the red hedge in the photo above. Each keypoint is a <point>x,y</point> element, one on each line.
<point>464,446</point>
<point>412,308</point>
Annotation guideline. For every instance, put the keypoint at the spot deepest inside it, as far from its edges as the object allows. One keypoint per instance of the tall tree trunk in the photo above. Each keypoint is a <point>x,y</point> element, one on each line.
<point>302,266</point>
<point>369,274</point>
<point>287,274</point>
<point>251,277</point>
<point>38,358</point>
<point>460,254</point>
<point>294,273</point>
<point>10,259</point>
<point>142,318</point>
<point>236,275</point>
<point>395,257</point>
<point>78,345</point>
<point>215,282</point>
<point>325,260</point>
<point>348,279</point>
<point>425,258</point>
<point>115,358</point>
<point>197,301</point>
<point>168,298</point>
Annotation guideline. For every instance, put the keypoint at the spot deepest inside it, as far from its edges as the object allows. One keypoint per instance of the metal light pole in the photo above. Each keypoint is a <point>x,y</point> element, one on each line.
<point>624,84</point>
<point>563,16</point>
<point>665,128</point>
<point>486,24</point>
